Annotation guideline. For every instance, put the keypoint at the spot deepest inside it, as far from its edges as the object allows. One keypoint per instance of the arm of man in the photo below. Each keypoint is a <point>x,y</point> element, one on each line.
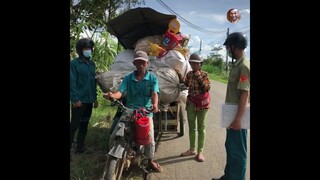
<point>118,94</point>
<point>154,101</point>
<point>236,124</point>
<point>95,103</point>
<point>244,87</point>
<point>155,90</point>
<point>111,95</point>
<point>75,99</point>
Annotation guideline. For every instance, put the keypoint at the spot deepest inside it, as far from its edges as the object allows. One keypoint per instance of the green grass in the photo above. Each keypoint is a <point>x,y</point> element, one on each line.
<point>215,73</point>
<point>90,166</point>
<point>218,78</point>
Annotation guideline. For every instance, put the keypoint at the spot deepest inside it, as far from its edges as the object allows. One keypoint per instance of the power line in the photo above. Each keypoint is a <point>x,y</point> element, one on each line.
<point>242,28</point>
<point>246,31</point>
<point>221,39</point>
<point>187,22</point>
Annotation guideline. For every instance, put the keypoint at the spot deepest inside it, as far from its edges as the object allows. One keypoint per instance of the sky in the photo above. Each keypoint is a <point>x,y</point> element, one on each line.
<point>211,18</point>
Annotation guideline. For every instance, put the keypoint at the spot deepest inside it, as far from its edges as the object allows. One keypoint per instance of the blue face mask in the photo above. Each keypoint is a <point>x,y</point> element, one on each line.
<point>87,53</point>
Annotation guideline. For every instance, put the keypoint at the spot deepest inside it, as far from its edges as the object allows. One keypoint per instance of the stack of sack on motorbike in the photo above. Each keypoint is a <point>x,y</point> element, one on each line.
<point>168,59</point>
<point>169,68</point>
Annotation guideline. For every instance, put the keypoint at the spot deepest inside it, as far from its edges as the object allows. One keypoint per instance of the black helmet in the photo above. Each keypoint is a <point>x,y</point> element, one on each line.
<point>195,58</point>
<point>84,43</point>
<point>237,39</point>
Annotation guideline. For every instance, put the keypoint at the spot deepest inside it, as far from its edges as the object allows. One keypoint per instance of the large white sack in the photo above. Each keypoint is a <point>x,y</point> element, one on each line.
<point>169,85</point>
<point>143,44</point>
<point>123,61</point>
<point>125,56</point>
<point>176,60</point>
<point>109,79</point>
<point>155,63</point>
<point>122,66</point>
<point>183,96</point>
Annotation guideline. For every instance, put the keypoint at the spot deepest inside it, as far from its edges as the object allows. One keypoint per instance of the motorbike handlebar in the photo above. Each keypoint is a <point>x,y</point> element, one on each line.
<point>122,106</point>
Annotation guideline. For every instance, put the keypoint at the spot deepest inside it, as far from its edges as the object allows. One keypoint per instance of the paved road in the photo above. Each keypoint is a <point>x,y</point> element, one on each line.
<point>171,145</point>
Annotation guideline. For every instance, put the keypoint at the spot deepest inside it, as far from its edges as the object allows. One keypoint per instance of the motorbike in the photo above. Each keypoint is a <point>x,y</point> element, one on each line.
<point>124,149</point>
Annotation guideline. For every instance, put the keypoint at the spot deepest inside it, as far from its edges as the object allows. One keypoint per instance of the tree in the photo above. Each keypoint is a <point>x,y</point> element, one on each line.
<point>91,17</point>
<point>216,59</point>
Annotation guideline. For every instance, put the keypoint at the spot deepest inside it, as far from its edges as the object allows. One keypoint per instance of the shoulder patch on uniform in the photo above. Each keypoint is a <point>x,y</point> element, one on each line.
<point>243,78</point>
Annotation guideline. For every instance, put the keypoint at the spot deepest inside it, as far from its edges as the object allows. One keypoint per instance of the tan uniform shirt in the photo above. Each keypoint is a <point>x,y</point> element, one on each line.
<point>239,79</point>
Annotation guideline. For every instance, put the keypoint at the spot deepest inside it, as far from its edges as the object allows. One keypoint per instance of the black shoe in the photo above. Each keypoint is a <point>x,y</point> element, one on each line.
<point>221,178</point>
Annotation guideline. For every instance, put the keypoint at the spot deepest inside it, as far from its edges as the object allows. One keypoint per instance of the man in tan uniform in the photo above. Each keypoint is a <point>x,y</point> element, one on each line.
<point>237,94</point>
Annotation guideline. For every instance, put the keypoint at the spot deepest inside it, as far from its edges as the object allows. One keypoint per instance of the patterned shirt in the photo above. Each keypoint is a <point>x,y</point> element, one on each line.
<point>197,84</point>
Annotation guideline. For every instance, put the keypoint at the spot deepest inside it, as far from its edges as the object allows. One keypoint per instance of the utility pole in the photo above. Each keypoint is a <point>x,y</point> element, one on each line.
<point>227,65</point>
<point>200,46</point>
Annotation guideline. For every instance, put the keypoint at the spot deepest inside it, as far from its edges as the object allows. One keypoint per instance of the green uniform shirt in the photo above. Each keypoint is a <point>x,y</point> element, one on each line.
<point>139,92</point>
<point>82,81</point>
<point>239,79</point>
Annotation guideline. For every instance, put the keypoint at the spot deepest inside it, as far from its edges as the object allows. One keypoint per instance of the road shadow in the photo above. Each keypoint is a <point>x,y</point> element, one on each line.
<point>167,136</point>
<point>174,159</point>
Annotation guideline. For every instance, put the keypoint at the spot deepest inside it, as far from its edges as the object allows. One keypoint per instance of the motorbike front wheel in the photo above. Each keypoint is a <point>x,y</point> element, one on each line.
<point>113,169</point>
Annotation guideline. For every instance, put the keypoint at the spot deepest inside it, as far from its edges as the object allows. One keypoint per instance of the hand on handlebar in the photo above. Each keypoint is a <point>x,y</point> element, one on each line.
<point>155,108</point>
<point>108,96</point>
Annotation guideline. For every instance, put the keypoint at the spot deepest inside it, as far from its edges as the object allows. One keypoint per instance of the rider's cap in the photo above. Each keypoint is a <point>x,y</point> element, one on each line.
<point>140,55</point>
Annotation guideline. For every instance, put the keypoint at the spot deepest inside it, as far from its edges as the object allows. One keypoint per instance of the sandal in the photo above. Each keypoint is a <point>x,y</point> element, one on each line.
<point>188,153</point>
<point>155,166</point>
<point>199,157</point>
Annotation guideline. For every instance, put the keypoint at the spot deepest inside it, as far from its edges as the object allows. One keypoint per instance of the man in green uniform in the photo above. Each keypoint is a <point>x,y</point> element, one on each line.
<point>83,92</point>
<point>237,94</point>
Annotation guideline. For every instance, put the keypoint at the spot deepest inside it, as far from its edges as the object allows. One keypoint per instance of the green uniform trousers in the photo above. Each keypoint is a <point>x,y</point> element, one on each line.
<point>236,147</point>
